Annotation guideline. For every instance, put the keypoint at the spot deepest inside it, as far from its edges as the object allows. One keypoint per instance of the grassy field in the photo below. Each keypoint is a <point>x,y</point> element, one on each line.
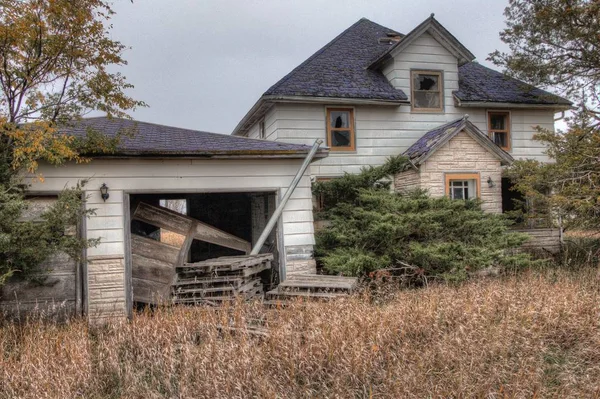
<point>521,337</point>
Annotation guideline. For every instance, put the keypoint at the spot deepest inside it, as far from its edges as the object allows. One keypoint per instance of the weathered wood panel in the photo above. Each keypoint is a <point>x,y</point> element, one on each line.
<point>548,240</point>
<point>57,291</point>
<point>153,249</point>
<point>152,268</point>
<point>152,292</point>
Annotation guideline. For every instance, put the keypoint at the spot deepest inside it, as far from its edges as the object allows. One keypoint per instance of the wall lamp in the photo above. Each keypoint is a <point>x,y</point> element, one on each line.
<point>104,192</point>
<point>490,182</point>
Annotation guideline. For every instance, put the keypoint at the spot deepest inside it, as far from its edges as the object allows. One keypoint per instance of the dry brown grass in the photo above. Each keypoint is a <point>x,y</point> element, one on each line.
<point>527,336</point>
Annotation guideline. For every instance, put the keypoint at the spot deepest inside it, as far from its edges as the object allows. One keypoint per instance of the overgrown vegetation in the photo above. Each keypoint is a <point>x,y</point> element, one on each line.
<point>412,235</point>
<point>520,337</point>
<point>55,58</point>
<point>554,44</point>
<point>26,243</point>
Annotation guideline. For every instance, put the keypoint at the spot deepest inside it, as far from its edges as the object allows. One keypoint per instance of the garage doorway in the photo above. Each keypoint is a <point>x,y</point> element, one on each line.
<point>242,216</point>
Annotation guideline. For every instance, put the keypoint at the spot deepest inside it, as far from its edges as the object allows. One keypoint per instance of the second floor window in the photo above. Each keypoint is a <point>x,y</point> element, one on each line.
<point>499,129</point>
<point>340,129</point>
<point>427,91</point>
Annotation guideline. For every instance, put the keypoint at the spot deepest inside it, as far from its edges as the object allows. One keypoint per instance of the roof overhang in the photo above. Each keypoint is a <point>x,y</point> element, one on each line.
<point>321,153</point>
<point>265,103</point>
<point>491,104</point>
<point>435,29</point>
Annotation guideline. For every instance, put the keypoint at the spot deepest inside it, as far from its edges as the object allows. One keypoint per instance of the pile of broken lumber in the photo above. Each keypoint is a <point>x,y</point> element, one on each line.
<point>220,279</point>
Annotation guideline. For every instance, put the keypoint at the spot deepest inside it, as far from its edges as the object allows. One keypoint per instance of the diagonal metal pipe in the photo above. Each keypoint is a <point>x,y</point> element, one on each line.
<point>273,220</point>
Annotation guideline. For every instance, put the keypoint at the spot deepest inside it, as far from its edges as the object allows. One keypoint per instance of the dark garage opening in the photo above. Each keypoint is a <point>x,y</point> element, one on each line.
<point>243,215</point>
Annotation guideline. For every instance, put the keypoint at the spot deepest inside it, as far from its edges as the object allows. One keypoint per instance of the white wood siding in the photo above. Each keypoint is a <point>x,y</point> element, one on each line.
<point>382,131</point>
<point>270,126</point>
<point>147,175</point>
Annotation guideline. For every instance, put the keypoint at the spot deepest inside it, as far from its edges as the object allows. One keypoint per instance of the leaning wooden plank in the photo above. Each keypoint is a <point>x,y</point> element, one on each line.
<point>207,233</point>
<point>152,269</point>
<point>153,249</point>
<point>162,217</point>
<point>181,224</point>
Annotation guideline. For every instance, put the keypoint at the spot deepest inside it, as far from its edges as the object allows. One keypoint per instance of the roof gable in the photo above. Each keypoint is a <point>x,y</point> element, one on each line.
<point>433,140</point>
<point>439,33</point>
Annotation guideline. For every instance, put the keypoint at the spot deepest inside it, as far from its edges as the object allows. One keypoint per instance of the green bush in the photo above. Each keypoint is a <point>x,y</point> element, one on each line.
<point>414,235</point>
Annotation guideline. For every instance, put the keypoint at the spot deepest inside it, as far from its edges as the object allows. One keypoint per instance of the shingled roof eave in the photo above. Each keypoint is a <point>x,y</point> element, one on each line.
<point>463,125</point>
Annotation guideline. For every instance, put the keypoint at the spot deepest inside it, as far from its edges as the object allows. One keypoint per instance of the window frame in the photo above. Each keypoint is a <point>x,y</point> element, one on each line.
<point>507,130</point>
<point>330,130</point>
<point>448,177</point>
<point>440,75</point>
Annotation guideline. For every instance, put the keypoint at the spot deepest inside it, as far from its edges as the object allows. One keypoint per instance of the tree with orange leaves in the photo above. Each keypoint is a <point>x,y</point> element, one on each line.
<point>55,60</point>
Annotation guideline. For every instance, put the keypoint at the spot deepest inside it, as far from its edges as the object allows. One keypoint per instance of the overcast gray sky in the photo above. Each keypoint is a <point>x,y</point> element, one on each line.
<point>201,64</point>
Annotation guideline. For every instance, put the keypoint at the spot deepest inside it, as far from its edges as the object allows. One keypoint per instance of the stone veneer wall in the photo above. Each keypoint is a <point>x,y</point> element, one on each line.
<point>407,181</point>
<point>462,154</point>
<point>106,288</point>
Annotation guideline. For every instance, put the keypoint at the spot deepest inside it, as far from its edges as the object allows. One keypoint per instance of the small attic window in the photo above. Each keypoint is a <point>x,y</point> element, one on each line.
<point>261,129</point>
<point>427,89</point>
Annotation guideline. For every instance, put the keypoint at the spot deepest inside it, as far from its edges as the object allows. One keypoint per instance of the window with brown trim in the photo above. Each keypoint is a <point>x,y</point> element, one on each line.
<point>499,128</point>
<point>340,129</point>
<point>463,185</point>
<point>427,91</point>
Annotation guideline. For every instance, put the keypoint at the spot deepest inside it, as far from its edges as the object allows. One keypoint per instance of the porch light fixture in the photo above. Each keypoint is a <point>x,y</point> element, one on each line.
<point>490,182</point>
<point>104,192</point>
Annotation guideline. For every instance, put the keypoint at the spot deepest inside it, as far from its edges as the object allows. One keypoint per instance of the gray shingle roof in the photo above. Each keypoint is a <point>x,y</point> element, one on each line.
<point>436,138</point>
<point>482,84</point>
<point>340,68</point>
<point>144,139</point>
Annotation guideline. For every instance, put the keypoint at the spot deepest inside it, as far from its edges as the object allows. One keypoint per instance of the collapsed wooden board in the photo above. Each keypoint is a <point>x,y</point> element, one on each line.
<point>154,264</point>
<point>221,279</point>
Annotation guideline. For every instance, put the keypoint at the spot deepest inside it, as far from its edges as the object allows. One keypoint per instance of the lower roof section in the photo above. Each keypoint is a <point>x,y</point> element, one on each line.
<point>143,139</point>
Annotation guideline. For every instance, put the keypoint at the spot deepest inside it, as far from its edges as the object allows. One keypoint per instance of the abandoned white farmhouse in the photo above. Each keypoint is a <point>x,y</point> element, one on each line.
<point>370,93</point>
<point>373,92</point>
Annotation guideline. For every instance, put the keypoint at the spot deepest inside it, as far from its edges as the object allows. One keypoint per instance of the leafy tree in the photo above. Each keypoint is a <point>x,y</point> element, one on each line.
<point>55,60</point>
<point>556,44</point>
<point>371,228</point>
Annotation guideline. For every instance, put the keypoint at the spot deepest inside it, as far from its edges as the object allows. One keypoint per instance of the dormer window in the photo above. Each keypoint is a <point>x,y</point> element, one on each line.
<point>340,129</point>
<point>427,89</point>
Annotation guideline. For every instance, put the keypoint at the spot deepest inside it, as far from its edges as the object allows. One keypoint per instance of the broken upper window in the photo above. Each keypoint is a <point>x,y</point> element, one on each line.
<point>340,129</point>
<point>499,129</point>
<point>427,91</point>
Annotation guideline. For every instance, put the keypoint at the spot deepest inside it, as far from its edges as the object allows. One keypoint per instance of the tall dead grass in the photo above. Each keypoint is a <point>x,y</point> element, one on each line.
<point>526,336</point>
